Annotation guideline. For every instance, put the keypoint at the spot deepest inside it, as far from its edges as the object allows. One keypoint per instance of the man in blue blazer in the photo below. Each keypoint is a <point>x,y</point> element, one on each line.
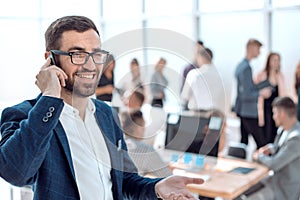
<point>247,95</point>
<point>67,145</point>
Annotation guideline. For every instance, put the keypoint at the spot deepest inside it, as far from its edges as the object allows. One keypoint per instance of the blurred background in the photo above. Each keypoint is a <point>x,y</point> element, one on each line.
<point>223,25</point>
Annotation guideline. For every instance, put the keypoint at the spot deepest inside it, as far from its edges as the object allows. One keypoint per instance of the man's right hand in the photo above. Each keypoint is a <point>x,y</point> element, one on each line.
<point>50,79</point>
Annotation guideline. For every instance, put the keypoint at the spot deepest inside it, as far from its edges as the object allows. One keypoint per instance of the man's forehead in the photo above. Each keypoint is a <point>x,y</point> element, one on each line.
<point>86,39</point>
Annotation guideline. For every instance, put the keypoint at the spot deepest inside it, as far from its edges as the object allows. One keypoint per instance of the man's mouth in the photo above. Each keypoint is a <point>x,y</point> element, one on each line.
<point>86,76</point>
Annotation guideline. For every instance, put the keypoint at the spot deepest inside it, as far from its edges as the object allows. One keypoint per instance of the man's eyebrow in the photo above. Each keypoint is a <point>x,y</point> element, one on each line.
<point>97,49</point>
<point>76,48</point>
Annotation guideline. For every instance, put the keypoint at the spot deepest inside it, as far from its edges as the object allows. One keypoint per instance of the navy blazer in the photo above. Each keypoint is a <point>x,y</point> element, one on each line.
<point>34,150</point>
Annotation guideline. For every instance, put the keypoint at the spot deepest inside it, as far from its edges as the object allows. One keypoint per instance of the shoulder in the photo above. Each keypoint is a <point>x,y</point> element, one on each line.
<point>242,66</point>
<point>295,132</point>
<point>193,73</point>
<point>261,76</point>
<point>25,106</point>
<point>280,75</point>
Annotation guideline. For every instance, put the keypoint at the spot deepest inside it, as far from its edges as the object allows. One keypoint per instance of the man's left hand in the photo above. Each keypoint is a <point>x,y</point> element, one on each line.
<point>174,188</point>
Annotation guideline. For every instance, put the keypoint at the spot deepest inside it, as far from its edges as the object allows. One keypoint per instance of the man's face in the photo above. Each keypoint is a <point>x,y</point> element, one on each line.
<point>82,80</point>
<point>135,70</point>
<point>277,116</point>
<point>255,50</point>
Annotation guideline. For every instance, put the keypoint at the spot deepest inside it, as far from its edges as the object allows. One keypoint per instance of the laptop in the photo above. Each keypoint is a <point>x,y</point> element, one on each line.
<point>194,134</point>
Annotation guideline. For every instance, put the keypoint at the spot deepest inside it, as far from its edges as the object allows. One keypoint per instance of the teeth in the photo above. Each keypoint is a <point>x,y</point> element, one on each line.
<point>88,76</point>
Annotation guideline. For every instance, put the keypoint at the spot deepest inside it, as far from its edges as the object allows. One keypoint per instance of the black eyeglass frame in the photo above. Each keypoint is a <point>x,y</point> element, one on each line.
<point>59,52</point>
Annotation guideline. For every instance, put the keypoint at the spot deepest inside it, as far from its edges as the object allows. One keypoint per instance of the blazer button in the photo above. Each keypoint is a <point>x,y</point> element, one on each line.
<point>45,119</point>
<point>51,109</point>
<point>49,114</point>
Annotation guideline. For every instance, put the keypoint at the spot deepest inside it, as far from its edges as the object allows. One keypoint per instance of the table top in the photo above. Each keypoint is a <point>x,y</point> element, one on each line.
<point>220,182</point>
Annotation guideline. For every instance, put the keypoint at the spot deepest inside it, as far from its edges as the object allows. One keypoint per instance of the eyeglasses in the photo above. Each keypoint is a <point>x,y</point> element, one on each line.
<point>81,57</point>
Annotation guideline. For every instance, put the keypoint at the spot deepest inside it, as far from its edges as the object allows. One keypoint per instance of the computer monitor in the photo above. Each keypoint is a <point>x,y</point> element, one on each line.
<point>194,134</point>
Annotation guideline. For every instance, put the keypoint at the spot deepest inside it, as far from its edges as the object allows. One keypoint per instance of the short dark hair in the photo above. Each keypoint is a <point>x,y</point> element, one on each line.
<point>139,95</point>
<point>253,41</point>
<point>200,42</point>
<point>130,120</point>
<point>206,53</point>
<point>68,23</point>
<point>286,104</point>
<point>134,61</point>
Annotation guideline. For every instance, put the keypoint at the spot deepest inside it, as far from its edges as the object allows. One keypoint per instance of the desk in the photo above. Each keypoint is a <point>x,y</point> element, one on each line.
<point>223,184</point>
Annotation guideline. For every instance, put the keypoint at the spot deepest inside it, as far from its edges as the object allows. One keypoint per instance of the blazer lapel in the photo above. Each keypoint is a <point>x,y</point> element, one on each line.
<point>62,138</point>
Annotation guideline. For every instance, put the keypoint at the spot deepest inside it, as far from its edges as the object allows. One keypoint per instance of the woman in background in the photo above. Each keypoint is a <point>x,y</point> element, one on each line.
<point>131,82</point>
<point>272,74</point>
<point>297,86</point>
<point>105,88</point>
<point>158,84</point>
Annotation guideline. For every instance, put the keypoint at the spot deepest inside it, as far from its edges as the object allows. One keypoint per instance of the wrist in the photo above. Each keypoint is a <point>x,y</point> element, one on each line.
<point>156,192</point>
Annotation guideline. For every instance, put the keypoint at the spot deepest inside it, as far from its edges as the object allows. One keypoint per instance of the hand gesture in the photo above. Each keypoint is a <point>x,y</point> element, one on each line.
<point>50,79</point>
<point>174,187</point>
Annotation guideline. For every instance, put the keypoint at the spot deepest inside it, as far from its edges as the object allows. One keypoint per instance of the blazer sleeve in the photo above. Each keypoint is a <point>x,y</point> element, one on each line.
<point>26,131</point>
<point>134,185</point>
<point>137,187</point>
<point>284,156</point>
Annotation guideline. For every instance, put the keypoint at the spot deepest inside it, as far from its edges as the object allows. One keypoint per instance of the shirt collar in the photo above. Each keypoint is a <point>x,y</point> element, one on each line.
<point>71,110</point>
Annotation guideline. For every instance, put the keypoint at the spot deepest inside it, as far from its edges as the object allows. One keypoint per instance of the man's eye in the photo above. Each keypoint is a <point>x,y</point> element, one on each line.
<point>79,55</point>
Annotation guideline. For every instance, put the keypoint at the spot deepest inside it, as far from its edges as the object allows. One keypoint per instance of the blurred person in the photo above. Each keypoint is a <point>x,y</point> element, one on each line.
<point>136,100</point>
<point>272,73</point>
<point>154,117</point>
<point>282,156</point>
<point>158,84</point>
<point>67,145</point>
<point>247,95</point>
<point>194,65</point>
<point>105,88</point>
<point>147,160</point>
<point>131,82</point>
<point>297,87</point>
<point>200,91</point>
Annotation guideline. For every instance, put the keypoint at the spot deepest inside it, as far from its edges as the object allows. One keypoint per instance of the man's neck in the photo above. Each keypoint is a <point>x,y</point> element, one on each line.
<point>80,103</point>
<point>249,57</point>
<point>290,123</point>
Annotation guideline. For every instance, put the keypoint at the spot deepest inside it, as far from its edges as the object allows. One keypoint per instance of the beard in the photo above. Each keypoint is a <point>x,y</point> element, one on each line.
<point>80,89</point>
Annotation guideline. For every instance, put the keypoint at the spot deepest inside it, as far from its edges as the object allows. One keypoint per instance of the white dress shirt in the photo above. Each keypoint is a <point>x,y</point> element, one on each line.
<point>204,89</point>
<point>90,156</point>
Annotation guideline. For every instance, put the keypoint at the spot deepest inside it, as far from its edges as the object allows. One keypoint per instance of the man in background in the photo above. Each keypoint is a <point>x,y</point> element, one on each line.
<point>247,95</point>
<point>194,65</point>
<point>282,156</point>
<point>203,88</point>
<point>146,159</point>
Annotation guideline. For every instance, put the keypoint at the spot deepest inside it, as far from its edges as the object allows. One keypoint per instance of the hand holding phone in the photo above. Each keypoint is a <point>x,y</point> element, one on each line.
<point>51,79</point>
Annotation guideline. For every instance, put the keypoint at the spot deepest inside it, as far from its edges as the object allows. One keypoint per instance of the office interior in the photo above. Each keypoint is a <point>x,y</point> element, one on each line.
<point>148,30</point>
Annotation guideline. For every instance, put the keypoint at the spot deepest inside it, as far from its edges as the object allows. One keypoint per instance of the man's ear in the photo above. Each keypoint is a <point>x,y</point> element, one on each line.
<point>47,54</point>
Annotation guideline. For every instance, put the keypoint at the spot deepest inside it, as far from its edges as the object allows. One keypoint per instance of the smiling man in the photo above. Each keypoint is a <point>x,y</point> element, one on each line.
<point>66,144</point>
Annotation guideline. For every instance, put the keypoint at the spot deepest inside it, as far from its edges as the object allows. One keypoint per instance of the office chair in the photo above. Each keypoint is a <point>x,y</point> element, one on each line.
<point>238,150</point>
